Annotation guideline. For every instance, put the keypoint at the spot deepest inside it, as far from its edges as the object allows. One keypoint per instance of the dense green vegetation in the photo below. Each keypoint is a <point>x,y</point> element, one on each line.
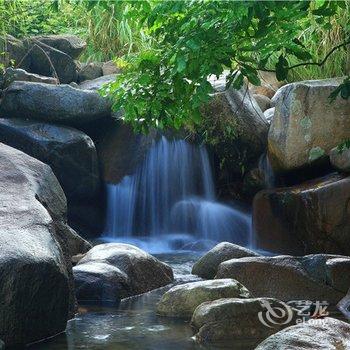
<point>167,49</point>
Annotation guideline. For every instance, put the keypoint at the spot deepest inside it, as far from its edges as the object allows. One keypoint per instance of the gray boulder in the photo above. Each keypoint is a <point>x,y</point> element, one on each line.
<point>48,61</point>
<point>35,269</point>
<point>13,51</point>
<point>144,271</point>
<point>182,300</point>
<point>63,103</point>
<point>12,74</point>
<point>327,333</point>
<point>71,45</point>
<point>340,159</point>
<point>285,277</point>
<point>97,83</point>
<point>90,71</point>
<point>207,265</point>
<point>231,319</point>
<point>303,118</point>
<point>120,150</point>
<point>70,153</point>
<point>248,140</point>
<point>100,282</point>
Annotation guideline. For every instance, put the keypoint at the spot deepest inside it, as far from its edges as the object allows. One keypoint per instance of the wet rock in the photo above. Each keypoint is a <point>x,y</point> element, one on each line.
<point>70,153</point>
<point>328,333</point>
<point>97,83</point>
<point>71,45</point>
<point>299,133</point>
<point>284,277</point>
<point>248,122</point>
<point>87,217</point>
<point>312,217</point>
<point>120,150</point>
<point>269,113</point>
<point>90,71</point>
<point>262,101</point>
<point>35,270</point>
<point>144,271</point>
<point>110,68</point>
<point>340,159</point>
<point>63,104</point>
<point>48,61</point>
<point>182,300</point>
<point>237,320</point>
<point>12,75</point>
<point>207,265</point>
<point>337,273</point>
<point>75,243</point>
<point>100,282</point>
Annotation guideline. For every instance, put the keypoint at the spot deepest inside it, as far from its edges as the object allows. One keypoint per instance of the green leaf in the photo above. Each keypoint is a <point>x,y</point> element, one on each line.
<point>181,63</point>
<point>281,68</point>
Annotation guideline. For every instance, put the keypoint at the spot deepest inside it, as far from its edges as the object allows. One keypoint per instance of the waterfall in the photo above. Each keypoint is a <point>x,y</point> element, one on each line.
<point>172,192</point>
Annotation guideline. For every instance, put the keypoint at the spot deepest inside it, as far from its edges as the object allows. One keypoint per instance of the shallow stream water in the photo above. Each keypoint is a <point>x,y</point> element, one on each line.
<point>133,325</point>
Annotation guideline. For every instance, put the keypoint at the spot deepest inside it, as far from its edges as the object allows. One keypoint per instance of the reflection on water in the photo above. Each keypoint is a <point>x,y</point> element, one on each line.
<point>133,325</point>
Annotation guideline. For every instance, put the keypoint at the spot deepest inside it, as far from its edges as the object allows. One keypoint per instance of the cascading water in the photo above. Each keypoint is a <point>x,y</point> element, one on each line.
<point>172,195</point>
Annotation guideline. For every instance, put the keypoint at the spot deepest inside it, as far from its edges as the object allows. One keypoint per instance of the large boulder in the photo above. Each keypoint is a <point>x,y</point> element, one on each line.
<point>71,45</point>
<point>182,300</point>
<point>36,285</point>
<point>120,150</point>
<point>12,74</point>
<point>48,61</point>
<point>312,217</point>
<point>100,282</point>
<point>236,320</point>
<point>286,277</point>
<point>207,265</point>
<point>70,153</point>
<point>63,104</point>
<point>304,115</point>
<point>239,109</point>
<point>13,51</point>
<point>327,333</point>
<point>88,216</point>
<point>144,271</point>
<point>90,71</point>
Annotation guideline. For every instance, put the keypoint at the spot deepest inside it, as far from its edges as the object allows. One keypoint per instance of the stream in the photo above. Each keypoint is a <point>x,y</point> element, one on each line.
<point>133,325</point>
